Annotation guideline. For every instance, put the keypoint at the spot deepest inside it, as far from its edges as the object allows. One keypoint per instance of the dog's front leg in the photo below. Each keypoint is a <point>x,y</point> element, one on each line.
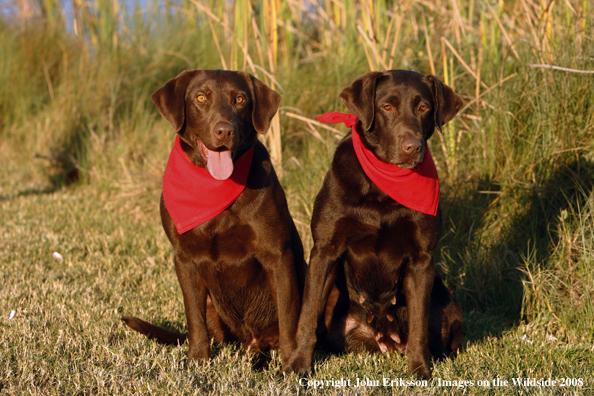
<point>418,282</point>
<point>195,306</point>
<point>321,275</point>
<point>284,288</point>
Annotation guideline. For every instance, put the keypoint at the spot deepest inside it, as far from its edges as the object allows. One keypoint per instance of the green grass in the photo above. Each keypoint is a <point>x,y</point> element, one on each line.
<point>516,169</point>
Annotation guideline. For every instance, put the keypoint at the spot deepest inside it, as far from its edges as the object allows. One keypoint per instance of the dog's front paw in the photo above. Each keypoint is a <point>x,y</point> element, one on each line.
<point>419,368</point>
<point>298,363</point>
<point>199,355</point>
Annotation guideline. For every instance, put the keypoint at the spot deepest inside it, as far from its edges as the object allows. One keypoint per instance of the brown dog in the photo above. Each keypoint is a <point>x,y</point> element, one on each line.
<point>371,282</point>
<point>241,272</point>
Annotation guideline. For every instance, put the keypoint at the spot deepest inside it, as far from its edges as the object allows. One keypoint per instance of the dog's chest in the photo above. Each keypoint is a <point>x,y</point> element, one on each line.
<point>379,244</point>
<point>223,244</point>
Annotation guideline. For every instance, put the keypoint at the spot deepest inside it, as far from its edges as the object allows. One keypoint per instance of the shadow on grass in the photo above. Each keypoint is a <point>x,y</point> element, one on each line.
<point>489,232</point>
<point>60,169</point>
<point>31,191</point>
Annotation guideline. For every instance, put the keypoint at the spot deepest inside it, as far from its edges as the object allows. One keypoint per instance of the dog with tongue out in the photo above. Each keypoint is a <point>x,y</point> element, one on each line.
<point>211,158</point>
<point>238,256</point>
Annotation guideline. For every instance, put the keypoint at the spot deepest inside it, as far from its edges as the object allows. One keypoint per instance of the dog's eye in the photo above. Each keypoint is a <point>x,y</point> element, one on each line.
<point>423,109</point>
<point>388,107</point>
<point>201,98</point>
<point>239,100</point>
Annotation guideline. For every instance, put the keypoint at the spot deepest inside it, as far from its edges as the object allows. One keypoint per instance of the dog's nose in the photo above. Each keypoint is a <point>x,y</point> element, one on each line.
<point>411,145</point>
<point>224,131</point>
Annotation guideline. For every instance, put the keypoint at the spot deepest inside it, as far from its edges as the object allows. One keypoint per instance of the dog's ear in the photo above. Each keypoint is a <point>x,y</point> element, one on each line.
<point>447,102</point>
<point>359,98</point>
<point>170,99</point>
<point>265,102</point>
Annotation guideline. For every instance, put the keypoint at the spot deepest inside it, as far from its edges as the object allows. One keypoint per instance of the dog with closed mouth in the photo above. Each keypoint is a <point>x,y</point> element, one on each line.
<point>371,283</point>
<point>238,256</point>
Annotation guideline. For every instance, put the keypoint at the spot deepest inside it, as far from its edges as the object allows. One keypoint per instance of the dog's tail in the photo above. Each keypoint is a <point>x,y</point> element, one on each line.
<point>155,332</point>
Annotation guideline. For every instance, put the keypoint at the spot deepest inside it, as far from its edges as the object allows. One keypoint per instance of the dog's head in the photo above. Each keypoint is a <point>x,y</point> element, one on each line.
<point>398,111</point>
<point>217,114</point>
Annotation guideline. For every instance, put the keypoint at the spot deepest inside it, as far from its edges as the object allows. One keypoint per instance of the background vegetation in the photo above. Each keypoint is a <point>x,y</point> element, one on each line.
<point>82,152</point>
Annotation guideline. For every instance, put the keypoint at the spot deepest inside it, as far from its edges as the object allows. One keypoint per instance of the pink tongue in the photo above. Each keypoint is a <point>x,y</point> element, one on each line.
<point>220,164</point>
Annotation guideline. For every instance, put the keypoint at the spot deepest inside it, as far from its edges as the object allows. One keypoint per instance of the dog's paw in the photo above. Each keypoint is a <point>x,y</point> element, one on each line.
<point>298,364</point>
<point>199,355</point>
<point>419,368</point>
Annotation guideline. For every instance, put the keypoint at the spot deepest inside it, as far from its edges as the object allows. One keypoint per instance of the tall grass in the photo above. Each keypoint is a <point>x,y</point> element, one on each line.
<point>516,163</point>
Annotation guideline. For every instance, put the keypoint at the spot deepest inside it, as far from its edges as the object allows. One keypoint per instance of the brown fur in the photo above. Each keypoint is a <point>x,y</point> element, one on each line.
<point>242,272</point>
<point>371,284</point>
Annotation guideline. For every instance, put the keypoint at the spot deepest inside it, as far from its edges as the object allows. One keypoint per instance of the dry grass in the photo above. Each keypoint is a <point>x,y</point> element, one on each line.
<point>65,336</point>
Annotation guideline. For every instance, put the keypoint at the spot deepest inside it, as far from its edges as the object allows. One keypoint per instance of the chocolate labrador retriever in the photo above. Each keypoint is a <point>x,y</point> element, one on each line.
<point>241,272</point>
<point>371,282</point>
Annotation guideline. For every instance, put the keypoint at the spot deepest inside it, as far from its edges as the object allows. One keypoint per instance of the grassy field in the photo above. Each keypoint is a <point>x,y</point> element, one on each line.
<point>82,152</point>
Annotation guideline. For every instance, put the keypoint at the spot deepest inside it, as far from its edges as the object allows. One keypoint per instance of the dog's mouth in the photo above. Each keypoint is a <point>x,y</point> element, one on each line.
<point>411,162</point>
<point>219,162</point>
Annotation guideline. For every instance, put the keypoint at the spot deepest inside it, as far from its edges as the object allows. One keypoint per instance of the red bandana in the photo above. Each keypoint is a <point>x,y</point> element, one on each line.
<point>417,188</point>
<point>192,196</point>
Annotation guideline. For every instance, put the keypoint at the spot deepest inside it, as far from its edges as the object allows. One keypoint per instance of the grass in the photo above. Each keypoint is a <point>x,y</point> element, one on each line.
<point>66,336</point>
<point>516,168</point>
